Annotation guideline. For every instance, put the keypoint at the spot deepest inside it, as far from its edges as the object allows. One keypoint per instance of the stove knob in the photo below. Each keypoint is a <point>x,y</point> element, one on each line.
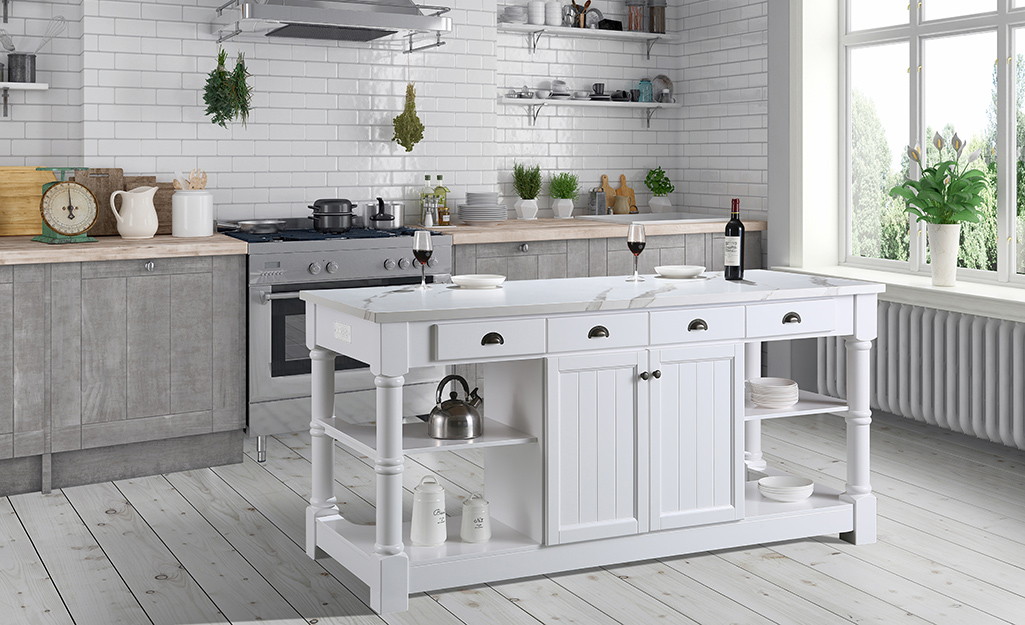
<point>389,264</point>
<point>403,263</point>
<point>432,262</point>
<point>315,268</point>
<point>332,267</point>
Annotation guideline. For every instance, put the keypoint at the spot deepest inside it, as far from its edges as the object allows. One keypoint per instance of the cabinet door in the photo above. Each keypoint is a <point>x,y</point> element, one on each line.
<point>22,360</point>
<point>696,418</point>
<point>596,429</point>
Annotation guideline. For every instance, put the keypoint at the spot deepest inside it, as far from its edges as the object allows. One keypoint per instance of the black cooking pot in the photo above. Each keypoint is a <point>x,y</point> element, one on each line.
<point>332,206</point>
<point>332,223</point>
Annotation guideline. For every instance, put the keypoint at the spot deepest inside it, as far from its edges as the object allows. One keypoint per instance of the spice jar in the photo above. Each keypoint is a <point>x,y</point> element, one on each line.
<point>657,15</point>
<point>635,14</point>
<point>476,523</point>
<point>645,88</point>
<point>428,527</point>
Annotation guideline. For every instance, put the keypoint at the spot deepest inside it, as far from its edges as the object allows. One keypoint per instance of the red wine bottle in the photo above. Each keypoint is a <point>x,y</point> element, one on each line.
<point>734,247</point>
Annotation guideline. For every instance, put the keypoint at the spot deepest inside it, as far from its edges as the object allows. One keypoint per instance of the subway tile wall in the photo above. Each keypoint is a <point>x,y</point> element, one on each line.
<point>322,111</point>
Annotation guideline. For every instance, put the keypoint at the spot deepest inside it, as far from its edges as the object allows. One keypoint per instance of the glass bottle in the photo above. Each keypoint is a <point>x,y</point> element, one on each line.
<point>733,248</point>
<point>441,199</point>
<point>426,195</point>
<point>657,16</point>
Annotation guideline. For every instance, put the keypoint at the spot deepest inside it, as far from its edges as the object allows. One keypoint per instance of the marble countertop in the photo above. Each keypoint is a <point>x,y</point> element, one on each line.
<point>577,295</point>
<point>25,251</point>
<point>520,230</point>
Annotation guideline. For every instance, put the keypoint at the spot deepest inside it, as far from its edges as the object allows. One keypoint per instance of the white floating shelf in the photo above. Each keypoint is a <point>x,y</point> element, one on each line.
<point>808,404</point>
<point>7,87</point>
<point>535,31</point>
<point>363,438</point>
<point>536,104</point>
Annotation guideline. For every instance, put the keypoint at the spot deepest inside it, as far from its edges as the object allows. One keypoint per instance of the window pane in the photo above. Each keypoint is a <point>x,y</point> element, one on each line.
<point>878,13</point>
<point>1019,97</point>
<point>940,9</point>
<point>879,134</point>
<point>959,94</point>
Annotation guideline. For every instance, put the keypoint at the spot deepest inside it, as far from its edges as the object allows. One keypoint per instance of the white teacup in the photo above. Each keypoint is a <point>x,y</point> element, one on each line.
<point>543,93</point>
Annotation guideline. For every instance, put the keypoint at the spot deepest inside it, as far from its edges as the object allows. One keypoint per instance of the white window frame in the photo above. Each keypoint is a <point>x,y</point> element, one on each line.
<point>1003,21</point>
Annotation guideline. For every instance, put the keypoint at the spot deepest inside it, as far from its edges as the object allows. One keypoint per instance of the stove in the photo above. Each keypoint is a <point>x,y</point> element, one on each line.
<point>294,259</point>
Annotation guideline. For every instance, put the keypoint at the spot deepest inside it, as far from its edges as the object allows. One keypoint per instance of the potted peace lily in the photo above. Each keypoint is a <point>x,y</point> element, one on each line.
<point>563,188</point>
<point>658,183</point>
<point>944,196</point>
<point>527,184</point>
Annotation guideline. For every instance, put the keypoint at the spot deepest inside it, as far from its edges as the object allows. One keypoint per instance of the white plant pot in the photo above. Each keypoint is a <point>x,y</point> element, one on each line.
<point>660,205</point>
<point>526,209</point>
<point>563,209</point>
<point>944,243</point>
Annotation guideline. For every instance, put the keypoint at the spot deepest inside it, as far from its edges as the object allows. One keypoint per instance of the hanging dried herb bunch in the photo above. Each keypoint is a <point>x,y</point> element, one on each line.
<point>227,95</point>
<point>408,129</point>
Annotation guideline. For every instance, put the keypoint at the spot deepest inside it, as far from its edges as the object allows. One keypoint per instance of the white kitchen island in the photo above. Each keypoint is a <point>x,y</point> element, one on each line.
<point>615,425</point>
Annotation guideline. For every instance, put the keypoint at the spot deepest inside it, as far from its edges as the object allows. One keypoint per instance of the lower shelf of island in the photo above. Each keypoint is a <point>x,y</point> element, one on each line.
<point>363,438</point>
<point>808,404</point>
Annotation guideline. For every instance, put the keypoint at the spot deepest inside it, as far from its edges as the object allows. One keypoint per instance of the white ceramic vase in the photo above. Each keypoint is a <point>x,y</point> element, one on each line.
<point>944,243</point>
<point>526,209</point>
<point>563,209</point>
<point>660,205</point>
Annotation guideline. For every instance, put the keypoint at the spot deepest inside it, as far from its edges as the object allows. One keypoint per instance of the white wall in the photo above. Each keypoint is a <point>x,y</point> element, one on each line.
<point>322,114</point>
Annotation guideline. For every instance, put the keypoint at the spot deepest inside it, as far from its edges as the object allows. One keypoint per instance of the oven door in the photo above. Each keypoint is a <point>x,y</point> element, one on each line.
<point>279,361</point>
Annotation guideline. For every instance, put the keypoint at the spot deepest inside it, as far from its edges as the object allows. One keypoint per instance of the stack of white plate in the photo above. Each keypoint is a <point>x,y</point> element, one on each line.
<point>482,209</point>
<point>787,488</point>
<point>536,12</point>
<point>489,198</point>
<point>515,14</point>
<point>553,13</point>
<point>773,392</point>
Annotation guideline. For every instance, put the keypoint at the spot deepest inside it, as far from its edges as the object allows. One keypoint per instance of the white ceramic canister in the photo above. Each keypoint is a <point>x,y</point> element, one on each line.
<point>428,527</point>
<point>476,525</point>
<point>192,214</point>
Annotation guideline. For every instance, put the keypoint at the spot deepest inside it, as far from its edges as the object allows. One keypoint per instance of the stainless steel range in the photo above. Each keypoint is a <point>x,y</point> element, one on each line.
<point>283,263</point>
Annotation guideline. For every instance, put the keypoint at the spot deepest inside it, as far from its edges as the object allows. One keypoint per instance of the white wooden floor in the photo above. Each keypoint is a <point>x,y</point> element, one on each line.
<point>224,545</point>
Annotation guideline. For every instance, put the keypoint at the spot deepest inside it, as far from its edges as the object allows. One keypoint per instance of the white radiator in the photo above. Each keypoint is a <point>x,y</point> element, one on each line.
<point>960,372</point>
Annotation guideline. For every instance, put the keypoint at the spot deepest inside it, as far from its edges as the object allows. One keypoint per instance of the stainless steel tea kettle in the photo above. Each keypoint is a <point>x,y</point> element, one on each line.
<point>454,418</point>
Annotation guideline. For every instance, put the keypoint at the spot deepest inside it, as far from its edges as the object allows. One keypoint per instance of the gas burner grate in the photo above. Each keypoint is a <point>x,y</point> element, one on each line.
<point>313,235</point>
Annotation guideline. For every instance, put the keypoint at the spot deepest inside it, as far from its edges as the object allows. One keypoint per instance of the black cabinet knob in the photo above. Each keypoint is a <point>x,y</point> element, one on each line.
<point>598,332</point>
<point>697,324</point>
<point>791,317</point>
<point>645,375</point>
<point>657,373</point>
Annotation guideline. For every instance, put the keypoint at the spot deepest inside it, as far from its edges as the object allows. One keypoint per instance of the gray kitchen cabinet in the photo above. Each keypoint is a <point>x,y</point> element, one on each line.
<point>23,359</point>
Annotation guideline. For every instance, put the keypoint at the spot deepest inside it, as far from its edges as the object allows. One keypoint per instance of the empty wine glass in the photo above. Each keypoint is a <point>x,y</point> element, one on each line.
<point>635,241</point>
<point>422,250</point>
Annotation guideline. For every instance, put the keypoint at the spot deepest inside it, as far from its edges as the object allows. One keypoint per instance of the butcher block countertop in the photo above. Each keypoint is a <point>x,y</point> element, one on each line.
<point>517,230</point>
<point>23,250</point>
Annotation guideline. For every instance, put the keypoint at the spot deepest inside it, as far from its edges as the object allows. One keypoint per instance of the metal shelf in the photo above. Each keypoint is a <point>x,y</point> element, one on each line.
<point>535,105</point>
<point>21,86</point>
<point>535,31</point>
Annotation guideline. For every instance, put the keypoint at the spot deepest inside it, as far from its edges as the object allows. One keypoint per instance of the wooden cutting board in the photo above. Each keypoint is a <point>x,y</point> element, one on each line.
<point>610,193</point>
<point>161,201</point>
<point>21,190</point>
<point>628,192</point>
<point>102,182</point>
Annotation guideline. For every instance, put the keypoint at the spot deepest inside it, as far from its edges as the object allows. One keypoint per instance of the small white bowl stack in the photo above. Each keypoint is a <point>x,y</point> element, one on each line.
<point>786,488</point>
<point>536,12</point>
<point>553,13</point>
<point>515,14</point>
<point>482,209</point>
<point>773,392</point>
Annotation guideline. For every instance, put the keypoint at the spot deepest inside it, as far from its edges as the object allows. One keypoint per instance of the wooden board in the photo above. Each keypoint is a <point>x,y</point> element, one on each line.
<point>628,192</point>
<point>610,193</point>
<point>21,190</point>
<point>161,201</point>
<point>102,182</point>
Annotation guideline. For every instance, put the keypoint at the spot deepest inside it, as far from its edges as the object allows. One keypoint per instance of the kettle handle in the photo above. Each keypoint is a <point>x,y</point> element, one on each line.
<point>449,378</point>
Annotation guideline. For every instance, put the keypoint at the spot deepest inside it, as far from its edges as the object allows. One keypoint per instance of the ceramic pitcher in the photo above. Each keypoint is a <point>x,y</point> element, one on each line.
<point>138,216</point>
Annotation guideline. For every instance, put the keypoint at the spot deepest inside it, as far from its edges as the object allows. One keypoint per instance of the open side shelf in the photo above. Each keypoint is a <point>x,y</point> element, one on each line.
<point>7,87</point>
<point>808,404</point>
<point>363,438</point>
<point>534,32</point>
<point>534,105</point>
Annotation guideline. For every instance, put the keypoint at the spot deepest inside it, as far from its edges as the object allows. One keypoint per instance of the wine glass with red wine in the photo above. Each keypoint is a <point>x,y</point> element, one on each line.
<point>635,242</point>
<point>422,250</point>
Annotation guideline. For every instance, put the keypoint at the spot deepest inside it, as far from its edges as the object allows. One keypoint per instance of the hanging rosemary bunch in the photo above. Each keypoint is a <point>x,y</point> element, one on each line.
<point>409,130</point>
<point>227,94</point>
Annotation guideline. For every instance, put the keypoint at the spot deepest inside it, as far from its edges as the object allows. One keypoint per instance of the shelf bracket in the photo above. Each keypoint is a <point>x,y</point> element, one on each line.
<point>650,43</point>
<point>6,90</point>
<point>436,44</point>
<point>533,39</point>
<point>534,111</point>
<point>649,113</point>
<point>5,21</point>
<point>224,37</point>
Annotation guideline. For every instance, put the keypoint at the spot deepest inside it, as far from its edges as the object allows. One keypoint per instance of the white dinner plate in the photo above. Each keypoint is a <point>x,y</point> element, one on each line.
<point>679,271</point>
<point>478,280</point>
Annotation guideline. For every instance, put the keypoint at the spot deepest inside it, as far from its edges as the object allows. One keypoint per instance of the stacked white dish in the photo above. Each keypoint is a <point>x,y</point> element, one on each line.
<point>482,209</point>
<point>536,12</point>
<point>786,488</point>
<point>515,14</point>
<point>559,90</point>
<point>553,13</point>
<point>773,392</point>
<point>478,281</point>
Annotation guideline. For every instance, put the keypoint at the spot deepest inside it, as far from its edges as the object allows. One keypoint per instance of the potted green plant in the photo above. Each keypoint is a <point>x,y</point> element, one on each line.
<point>563,187</point>
<point>527,184</point>
<point>944,197</point>
<point>658,183</point>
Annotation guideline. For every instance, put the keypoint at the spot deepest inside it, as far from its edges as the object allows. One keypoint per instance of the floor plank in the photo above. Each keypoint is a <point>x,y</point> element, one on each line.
<point>27,595</point>
<point>618,599</point>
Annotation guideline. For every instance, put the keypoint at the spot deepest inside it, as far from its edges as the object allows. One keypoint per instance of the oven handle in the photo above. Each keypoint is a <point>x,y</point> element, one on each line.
<point>267,296</point>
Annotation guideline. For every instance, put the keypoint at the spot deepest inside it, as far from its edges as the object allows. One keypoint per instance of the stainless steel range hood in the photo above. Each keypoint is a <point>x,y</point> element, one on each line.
<point>332,20</point>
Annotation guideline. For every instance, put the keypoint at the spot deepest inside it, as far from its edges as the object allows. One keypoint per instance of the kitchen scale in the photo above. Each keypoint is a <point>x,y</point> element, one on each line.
<point>68,209</point>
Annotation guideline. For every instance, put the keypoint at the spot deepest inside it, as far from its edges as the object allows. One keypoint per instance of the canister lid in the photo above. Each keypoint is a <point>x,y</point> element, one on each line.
<point>429,484</point>
<point>476,500</point>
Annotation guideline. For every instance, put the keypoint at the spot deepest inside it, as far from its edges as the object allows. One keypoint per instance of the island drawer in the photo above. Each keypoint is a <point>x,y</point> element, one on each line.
<point>489,339</point>
<point>699,324</point>
<point>790,318</point>
<point>579,333</point>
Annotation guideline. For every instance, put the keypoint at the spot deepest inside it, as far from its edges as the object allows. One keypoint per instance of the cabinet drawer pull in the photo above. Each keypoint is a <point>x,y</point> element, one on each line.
<point>645,375</point>
<point>524,247</point>
<point>791,317</point>
<point>657,373</point>
<point>150,266</point>
<point>492,338</point>
<point>697,324</point>
<point>598,332</point>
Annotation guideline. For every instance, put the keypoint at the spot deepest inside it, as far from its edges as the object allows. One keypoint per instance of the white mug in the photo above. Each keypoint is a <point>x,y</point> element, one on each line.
<point>428,528</point>
<point>476,524</point>
<point>192,214</point>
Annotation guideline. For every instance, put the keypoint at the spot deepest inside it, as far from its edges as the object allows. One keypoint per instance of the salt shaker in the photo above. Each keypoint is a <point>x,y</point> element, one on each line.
<point>428,528</point>
<point>476,525</point>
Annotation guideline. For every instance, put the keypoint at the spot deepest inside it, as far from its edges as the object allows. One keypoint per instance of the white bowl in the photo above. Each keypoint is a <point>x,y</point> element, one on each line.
<point>478,280</point>
<point>786,488</point>
<point>679,271</point>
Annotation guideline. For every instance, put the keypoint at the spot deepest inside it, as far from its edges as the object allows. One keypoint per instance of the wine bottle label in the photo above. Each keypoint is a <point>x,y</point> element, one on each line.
<point>732,252</point>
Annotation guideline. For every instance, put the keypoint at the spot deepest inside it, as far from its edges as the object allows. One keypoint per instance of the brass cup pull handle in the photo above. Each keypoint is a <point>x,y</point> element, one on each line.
<point>657,373</point>
<point>697,324</point>
<point>791,317</point>
<point>598,332</point>
<point>492,338</point>
<point>645,375</point>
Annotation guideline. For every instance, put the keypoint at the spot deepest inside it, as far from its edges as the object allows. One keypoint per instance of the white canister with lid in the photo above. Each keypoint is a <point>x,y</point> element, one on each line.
<point>476,525</point>
<point>428,528</point>
<point>192,213</point>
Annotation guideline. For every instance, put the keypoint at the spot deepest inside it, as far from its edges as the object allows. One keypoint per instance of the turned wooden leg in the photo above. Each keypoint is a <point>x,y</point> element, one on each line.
<point>390,591</point>
<point>859,416</point>
<point>322,496</point>
<point>753,429</point>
